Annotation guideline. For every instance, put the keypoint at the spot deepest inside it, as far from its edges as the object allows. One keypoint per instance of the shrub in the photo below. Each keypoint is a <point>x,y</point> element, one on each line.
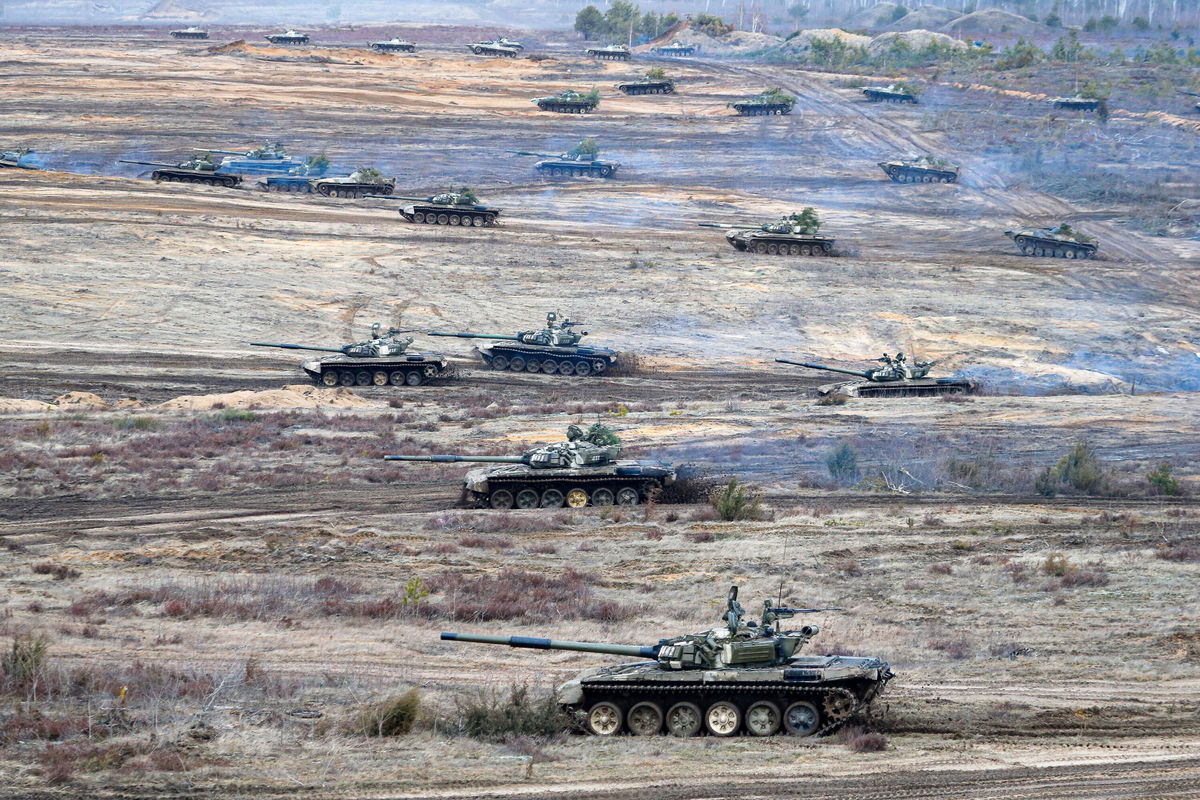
<point>517,594</point>
<point>495,715</point>
<point>1162,481</point>
<point>711,24</point>
<point>60,571</point>
<point>1057,565</point>
<point>1079,469</point>
<point>862,741</point>
<point>941,569</point>
<point>392,717</point>
<point>1183,551</point>
<point>833,399</point>
<point>842,464</point>
<point>236,415</point>
<point>736,502</point>
<point>25,660</point>
<point>956,648</point>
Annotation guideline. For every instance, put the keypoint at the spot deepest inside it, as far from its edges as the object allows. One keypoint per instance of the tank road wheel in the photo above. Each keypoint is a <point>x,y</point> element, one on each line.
<point>684,719</point>
<point>795,250</point>
<point>760,247</point>
<point>443,219</point>
<point>455,219</point>
<point>419,217</point>
<point>379,378</point>
<point>550,366</point>
<point>773,249</point>
<point>598,366</point>
<point>499,362</point>
<point>477,220</point>
<point>801,718</point>
<point>552,498</point>
<point>763,718</point>
<point>431,219</point>
<point>805,250</point>
<point>602,497</point>
<point>606,172</point>
<point>604,719</point>
<point>500,499</point>
<point>527,498</point>
<point>1026,250</point>
<point>583,368</point>
<point>489,219</point>
<point>627,496</point>
<point>566,368</point>
<point>533,365</point>
<point>362,378</point>
<point>577,498</point>
<point>645,719</point>
<point>346,377</point>
<point>1070,253</point>
<point>413,378</point>
<point>396,378</point>
<point>329,378</point>
<point>723,718</point>
<point>517,364</point>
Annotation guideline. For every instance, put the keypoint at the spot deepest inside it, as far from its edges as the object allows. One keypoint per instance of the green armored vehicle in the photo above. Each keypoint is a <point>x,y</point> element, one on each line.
<point>612,52</point>
<point>772,101</point>
<point>793,235</point>
<point>197,169</point>
<point>553,350</point>
<point>394,45</point>
<point>654,82</point>
<point>742,677</point>
<point>19,159</point>
<point>892,93</point>
<point>922,169</point>
<point>448,208</point>
<point>191,32</point>
<point>675,49</point>
<point>569,101</point>
<point>1061,242</point>
<point>287,37</point>
<point>1076,103</point>
<point>498,48</point>
<point>363,182</point>
<point>270,159</point>
<point>382,360</point>
<point>584,470</point>
<point>896,378</point>
<point>580,161</point>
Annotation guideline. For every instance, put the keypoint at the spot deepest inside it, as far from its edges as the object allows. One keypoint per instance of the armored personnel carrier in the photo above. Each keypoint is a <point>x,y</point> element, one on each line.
<point>896,378</point>
<point>1076,103</point>
<point>654,82</point>
<point>395,45</point>
<point>287,37</point>
<point>675,49</point>
<point>382,360</point>
<point>448,208</point>
<point>772,101</point>
<point>554,350</point>
<point>892,93</point>
<point>923,169</point>
<point>363,182</point>
<point>569,101</point>
<point>191,32</point>
<point>584,470</point>
<point>581,160</point>
<point>612,52</point>
<point>793,235</point>
<point>18,159</point>
<point>197,169</point>
<point>1061,242</point>
<point>270,159</point>
<point>494,49</point>
<point>742,677</point>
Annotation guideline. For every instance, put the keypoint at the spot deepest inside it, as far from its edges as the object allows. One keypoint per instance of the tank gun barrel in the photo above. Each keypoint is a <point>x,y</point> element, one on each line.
<point>475,335</point>
<point>443,459</point>
<point>742,226</point>
<point>221,152</point>
<point>822,366</point>
<point>149,163</point>
<point>531,153</point>
<point>297,347</point>
<point>555,644</point>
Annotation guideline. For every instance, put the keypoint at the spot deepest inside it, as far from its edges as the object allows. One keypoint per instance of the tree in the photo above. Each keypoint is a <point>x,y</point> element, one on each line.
<point>589,21</point>
<point>842,464</point>
<point>1068,48</point>
<point>621,17</point>
<point>798,11</point>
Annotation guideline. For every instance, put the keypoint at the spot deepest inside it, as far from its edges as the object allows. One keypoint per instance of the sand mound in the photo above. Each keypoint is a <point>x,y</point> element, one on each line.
<point>993,20</point>
<point>295,396</point>
<point>927,17</point>
<point>13,405</point>
<point>874,17</point>
<point>734,43</point>
<point>802,42</point>
<point>916,40</point>
<point>85,400</point>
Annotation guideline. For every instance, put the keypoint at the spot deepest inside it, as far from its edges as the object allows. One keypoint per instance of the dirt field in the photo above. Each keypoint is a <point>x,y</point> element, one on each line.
<point>229,548</point>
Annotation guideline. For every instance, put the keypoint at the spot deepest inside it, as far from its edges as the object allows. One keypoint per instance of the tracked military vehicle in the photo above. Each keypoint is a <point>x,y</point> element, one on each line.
<point>287,37</point>
<point>772,101</point>
<point>494,49</point>
<point>270,159</point>
<point>1061,242</point>
<point>742,677</point>
<point>19,159</point>
<point>382,360</point>
<point>674,50</point>
<point>922,169</point>
<point>581,160</point>
<point>612,52</point>
<point>197,169</point>
<point>584,470</point>
<point>569,101</point>
<point>363,182</point>
<point>1076,103</point>
<point>654,82</point>
<point>190,33</point>
<point>394,45</point>
<point>892,93</point>
<point>896,378</point>
<point>553,350</point>
<point>448,208</point>
<point>793,235</point>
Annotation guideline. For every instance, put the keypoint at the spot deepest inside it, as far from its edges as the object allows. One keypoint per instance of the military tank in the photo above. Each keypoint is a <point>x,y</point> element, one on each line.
<point>892,93</point>
<point>394,45</point>
<point>494,49</point>
<point>363,182</point>
<point>584,470</point>
<point>653,82</point>
<point>612,52</point>
<point>270,159</point>
<point>896,378</point>
<point>1061,242</point>
<point>922,169</point>
<point>190,32</point>
<point>581,160</point>
<point>287,37</point>
<point>197,169</point>
<point>772,101</point>
<point>675,50</point>
<point>553,350</point>
<point>569,101</point>
<point>18,159</point>
<point>382,360</point>
<point>742,677</point>
<point>1076,103</point>
<point>793,235</point>
<point>448,208</point>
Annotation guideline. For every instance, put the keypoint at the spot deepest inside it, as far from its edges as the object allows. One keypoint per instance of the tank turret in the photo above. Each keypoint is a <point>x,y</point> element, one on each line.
<point>557,333</point>
<point>897,377</point>
<point>594,448</point>
<point>381,343</point>
<point>569,101</point>
<point>581,160</point>
<point>191,32</point>
<point>554,349</point>
<point>383,359</point>
<point>18,159</point>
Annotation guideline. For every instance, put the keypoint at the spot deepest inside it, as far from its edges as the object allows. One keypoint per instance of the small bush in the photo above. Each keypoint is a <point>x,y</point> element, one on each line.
<point>392,717</point>
<point>236,415</point>
<point>1182,551</point>
<point>956,648</point>
<point>737,502</point>
<point>833,399</point>
<point>60,571</point>
<point>495,715</point>
<point>942,569</point>
<point>862,741</point>
<point>1079,469</point>
<point>25,660</point>
<point>842,464</point>
<point>1162,481</point>
<point>700,537</point>
<point>1057,565</point>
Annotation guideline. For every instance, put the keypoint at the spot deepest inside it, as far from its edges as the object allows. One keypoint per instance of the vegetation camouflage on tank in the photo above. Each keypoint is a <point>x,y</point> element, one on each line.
<point>742,677</point>
<point>675,49</point>
<point>363,182</point>
<point>1060,242</point>
<point>921,169</point>
<point>270,159</point>
<point>772,101</point>
<point>1076,103</point>
<point>447,208</point>
<point>793,235</point>
<point>898,377</point>
<point>581,160</point>
<point>569,101</point>
<point>655,81</point>
<point>382,360</point>
<point>554,350</point>
<point>498,48</point>
<point>197,169</point>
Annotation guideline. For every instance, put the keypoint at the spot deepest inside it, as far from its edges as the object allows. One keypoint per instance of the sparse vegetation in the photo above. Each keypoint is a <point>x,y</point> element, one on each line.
<point>497,715</point>
<point>394,716</point>
<point>842,464</point>
<point>737,501</point>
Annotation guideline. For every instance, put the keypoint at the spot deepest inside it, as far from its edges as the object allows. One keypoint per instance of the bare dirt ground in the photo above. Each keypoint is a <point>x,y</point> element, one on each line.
<point>194,477</point>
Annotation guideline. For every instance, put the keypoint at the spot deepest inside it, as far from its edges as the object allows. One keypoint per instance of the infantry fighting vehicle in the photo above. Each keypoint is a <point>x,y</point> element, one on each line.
<point>772,101</point>
<point>191,32</point>
<point>381,360</point>
<point>892,93</point>
<point>896,378</point>
<point>494,49</point>
<point>740,677</point>
<point>197,169</point>
<point>270,159</point>
<point>793,235</point>
<point>922,169</point>
<point>569,101</point>
<point>612,52</point>
<point>581,160</point>
<point>395,45</point>
<point>654,82</point>
<point>554,350</point>
<point>1061,242</point>
<point>287,37</point>
<point>448,208</point>
<point>1076,103</point>
<point>675,49</point>
<point>18,159</point>
<point>584,470</point>
<point>363,182</point>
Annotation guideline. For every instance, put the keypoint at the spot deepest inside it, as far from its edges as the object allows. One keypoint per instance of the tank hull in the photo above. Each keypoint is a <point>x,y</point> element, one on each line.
<point>920,387</point>
<point>901,172</point>
<point>335,188</point>
<point>279,38</point>
<point>761,109</point>
<point>1068,104</point>
<point>674,51</point>
<point>566,106</point>
<point>569,167</point>
<point>782,244</point>
<point>193,176</point>
<point>885,96</point>
<point>16,163</point>
<point>622,482</point>
<point>394,47</point>
<point>646,87</point>
<point>189,34</point>
<point>410,369</point>
<point>466,216</point>
<point>495,51</point>
<point>609,55</point>
<point>564,361</point>
<point>1031,244</point>
<point>288,183</point>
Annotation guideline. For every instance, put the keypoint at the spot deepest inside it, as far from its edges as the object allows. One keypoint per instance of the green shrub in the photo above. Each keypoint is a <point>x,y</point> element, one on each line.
<point>1162,481</point>
<point>492,714</point>
<point>392,717</point>
<point>737,501</point>
<point>842,464</point>
<point>26,660</point>
<point>1079,469</point>
<point>236,415</point>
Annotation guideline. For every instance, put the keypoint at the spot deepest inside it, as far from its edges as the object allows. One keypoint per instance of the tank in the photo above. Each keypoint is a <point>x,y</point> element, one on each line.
<point>743,677</point>
<point>584,470</point>
<point>654,82</point>
<point>270,159</point>
<point>674,50</point>
<point>582,160</point>
<point>287,37</point>
<point>1061,242</point>
<point>190,33</point>
<point>395,45</point>
<point>612,52</point>
<point>19,159</point>
<point>772,101</point>
<point>569,101</point>
<point>448,208</point>
<point>382,360</point>
<point>197,169</point>
<point>896,378</point>
<point>494,49</point>
<point>363,182</point>
<point>1076,103</point>
<point>553,350</point>
<point>892,93</point>
<point>793,235</point>
<point>923,169</point>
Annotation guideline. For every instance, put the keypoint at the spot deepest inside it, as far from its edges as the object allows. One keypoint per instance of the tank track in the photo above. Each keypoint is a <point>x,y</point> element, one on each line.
<point>398,374</point>
<point>181,35</point>
<point>746,110</point>
<point>909,175</point>
<point>567,108</point>
<point>877,97</point>
<point>395,48</point>
<point>295,187</point>
<point>786,247</point>
<point>286,40</point>
<point>517,360</point>
<point>487,51</point>
<point>646,88</point>
<point>1049,248</point>
<point>209,179</point>
<point>577,170</point>
<point>327,189</point>
<point>447,216</point>
<point>576,492</point>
